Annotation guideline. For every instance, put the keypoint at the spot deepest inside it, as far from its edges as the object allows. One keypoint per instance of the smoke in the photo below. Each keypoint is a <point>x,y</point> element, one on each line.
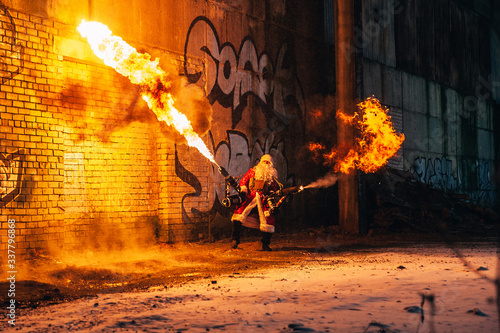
<point>327,181</point>
<point>322,124</point>
<point>128,107</point>
<point>190,100</point>
<point>131,109</point>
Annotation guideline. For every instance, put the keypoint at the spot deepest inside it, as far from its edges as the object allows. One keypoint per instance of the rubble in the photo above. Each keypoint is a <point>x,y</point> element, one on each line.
<point>396,202</point>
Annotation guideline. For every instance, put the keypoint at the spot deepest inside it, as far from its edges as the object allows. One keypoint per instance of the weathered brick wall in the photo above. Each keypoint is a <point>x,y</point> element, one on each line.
<point>81,143</point>
<point>184,193</point>
<point>33,177</point>
<point>110,169</point>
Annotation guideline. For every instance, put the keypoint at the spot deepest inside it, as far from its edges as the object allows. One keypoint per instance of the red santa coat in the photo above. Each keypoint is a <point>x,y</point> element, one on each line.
<point>255,191</point>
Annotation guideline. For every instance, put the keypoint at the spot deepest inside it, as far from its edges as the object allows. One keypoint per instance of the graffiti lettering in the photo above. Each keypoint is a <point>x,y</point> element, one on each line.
<point>474,178</point>
<point>11,64</point>
<point>236,156</point>
<point>190,179</point>
<point>476,181</point>
<point>438,174</point>
<point>232,76</point>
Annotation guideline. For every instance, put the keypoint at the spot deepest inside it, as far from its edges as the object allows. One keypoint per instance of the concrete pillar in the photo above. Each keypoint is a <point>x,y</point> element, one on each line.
<point>345,77</point>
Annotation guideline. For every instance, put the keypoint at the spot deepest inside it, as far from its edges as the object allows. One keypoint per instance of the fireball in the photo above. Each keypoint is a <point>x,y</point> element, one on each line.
<point>377,143</point>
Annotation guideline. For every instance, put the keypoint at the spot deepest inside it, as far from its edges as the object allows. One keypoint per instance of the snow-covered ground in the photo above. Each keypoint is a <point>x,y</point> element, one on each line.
<point>360,291</point>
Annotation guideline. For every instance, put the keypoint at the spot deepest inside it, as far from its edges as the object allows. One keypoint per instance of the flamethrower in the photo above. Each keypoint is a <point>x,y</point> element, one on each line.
<point>276,198</point>
<point>229,199</point>
<point>273,199</point>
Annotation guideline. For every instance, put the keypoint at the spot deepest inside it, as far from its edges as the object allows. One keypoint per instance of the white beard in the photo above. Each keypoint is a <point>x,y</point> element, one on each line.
<point>265,172</point>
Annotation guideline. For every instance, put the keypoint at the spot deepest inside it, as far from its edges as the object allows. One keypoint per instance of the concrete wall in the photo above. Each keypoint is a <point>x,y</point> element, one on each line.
<point>85,163</point>
<point>442,99</point>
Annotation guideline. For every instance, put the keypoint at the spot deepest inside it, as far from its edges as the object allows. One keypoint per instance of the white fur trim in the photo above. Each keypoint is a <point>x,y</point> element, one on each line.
<point>250,221</point>
<point>263,221</point>
<point>267,228</point>
<point>243,217</point>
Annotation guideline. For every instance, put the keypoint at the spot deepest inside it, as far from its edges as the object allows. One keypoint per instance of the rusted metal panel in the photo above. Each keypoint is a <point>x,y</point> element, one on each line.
<point>480,7</point>
<point>329,22</point>
<point>473,55</point>
<point>457,47</point>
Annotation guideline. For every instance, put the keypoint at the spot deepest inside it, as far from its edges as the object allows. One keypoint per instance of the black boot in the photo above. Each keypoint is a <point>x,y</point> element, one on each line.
<point>266,248</point>
<point>235,236</point>
<point>266,240</point>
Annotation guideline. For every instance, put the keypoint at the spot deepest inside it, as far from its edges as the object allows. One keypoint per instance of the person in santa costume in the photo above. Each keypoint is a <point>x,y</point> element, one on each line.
<point>254,212</point>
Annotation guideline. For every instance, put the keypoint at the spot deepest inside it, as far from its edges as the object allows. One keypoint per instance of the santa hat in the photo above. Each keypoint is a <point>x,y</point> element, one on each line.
<point>266,157</point>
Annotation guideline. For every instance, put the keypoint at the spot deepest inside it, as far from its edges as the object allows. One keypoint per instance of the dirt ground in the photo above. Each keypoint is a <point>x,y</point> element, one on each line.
<point>48,279</point>
<point>45,281</point>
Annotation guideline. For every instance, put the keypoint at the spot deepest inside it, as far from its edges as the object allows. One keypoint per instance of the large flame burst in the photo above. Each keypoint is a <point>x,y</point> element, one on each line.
<point>141,70</point>
<point>377,143</point>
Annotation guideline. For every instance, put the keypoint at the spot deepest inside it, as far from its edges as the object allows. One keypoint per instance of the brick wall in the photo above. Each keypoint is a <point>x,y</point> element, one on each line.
<point>79,152</point>
<point>109,158</point>
<point>84,164</point>
<point>184,193</point>
<point>31,138</point>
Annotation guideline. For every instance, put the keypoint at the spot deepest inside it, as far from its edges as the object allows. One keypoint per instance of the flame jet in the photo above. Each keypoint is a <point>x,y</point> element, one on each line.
<point>141,70</point>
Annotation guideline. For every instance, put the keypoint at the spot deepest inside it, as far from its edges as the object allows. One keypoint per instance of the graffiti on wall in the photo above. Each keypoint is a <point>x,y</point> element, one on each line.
<point>437,173</point>
<point>471,177</point>
<point>476,181</point>
<point>236,155</point>
<point>11,51</point>
<point>11,176</point>
<point>190,179</point>
<point>11,64</point>
<point>231,76</point>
